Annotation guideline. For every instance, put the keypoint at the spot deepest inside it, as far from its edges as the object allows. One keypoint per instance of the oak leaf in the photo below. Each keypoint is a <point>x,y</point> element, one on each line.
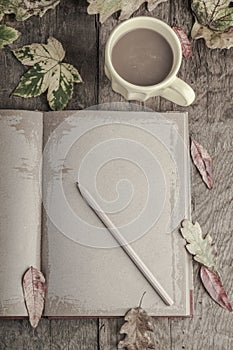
<point>201,248</point>
<point>127,7</point>
<point>48,72</point>
<point>138,330</point>
<point>203,252</point>
<point>24,9</point>
<point>213,22</point>
<point>34,294</point>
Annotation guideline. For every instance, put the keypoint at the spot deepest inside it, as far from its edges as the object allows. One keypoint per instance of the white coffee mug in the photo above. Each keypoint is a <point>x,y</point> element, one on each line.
<point>172,88</point>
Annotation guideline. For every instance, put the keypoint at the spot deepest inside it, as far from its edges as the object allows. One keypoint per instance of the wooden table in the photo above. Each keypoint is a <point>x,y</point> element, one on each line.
<point>210,75</point>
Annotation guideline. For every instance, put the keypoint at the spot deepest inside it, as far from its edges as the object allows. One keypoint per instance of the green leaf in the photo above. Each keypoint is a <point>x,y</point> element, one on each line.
<point>214,14</point>
<point>34,82</point>
<point>24,9</point>
<point>47,73</point>
<point>127,7</point>
<point>200,247</point>
<point>61,87</point>
<point>76,76</point>
<point>213,22</point>
<point>7,35</point>
<point>34,53</point>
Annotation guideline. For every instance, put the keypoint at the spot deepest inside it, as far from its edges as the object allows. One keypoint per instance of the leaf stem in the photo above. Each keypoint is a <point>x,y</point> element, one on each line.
<point>140,303</point>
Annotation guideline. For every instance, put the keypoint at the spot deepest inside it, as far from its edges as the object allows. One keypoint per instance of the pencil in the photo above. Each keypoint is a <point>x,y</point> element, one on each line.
<point>124,245</point>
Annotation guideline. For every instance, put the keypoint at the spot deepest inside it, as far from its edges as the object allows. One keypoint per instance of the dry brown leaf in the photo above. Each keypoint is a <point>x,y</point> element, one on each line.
<point>203,162</point>
<point>185,43</point>
<point>34,294</point>
<point>138,330</point>
<point>214,287</point>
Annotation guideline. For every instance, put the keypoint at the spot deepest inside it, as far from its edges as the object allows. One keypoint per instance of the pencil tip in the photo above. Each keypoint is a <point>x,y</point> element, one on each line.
<point>80,188</point>
<point>77,186</point>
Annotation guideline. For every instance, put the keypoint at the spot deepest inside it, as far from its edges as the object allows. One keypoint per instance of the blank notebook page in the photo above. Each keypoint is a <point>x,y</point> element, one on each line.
<point>135,165</point>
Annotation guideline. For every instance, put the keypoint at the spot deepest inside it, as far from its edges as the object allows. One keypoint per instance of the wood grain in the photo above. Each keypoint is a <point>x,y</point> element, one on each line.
<point>78,334</point>
<point>210,118</point>
<point>19,335</point>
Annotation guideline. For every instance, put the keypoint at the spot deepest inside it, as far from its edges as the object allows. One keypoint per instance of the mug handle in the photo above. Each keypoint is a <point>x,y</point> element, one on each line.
<point>179,92</point>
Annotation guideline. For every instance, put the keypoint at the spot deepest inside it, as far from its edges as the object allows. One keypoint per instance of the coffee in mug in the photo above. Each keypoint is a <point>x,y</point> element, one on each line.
<point>142,59</point>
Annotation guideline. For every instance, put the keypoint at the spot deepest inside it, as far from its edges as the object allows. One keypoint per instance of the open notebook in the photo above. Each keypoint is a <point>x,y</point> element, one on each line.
<point>136,166</point>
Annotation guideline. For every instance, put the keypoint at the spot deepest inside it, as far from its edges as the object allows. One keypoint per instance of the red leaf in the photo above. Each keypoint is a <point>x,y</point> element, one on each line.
<point>185,43</point>
<point>34,293</point>
<point>214,287</point>
<point>203,162</point>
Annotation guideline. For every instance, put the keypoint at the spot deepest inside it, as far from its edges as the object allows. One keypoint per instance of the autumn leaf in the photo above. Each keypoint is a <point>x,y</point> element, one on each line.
<point>213,39</point>
<point>203,252</point>
<point>203,162</point>
<point>213,22</point>
<point>7,35</point>
<point>214,287</point>
<point>34,294</point>
<point>184,41</point>
<point>138,330</point>
<point>127,7</point>
<point>48,72</point>
<point>201,248</point>
<point>24,9</point>
<point>214,14</point>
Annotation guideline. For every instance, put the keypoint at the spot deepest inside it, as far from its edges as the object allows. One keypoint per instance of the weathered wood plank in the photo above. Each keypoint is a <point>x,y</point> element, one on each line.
<point>109,335</point>
<point>220,84</point>
<point>19,335</point>
<point>78,334</point>
<point>105,92</point>
<point>211,326</point>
